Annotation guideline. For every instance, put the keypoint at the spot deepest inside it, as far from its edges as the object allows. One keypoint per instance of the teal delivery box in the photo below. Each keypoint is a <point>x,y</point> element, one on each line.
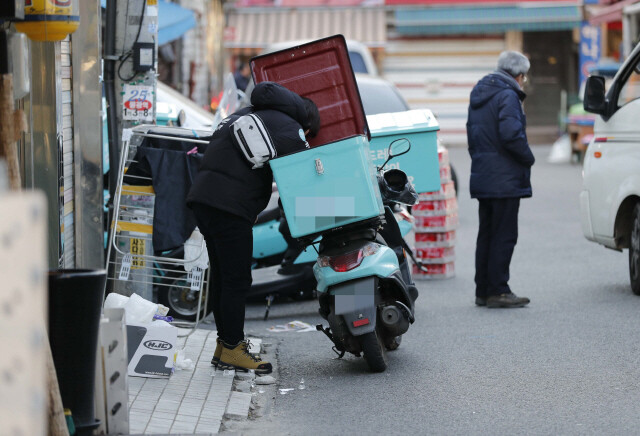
<point>418,126</point>
<point>333,183</point>
<point>327,187</point>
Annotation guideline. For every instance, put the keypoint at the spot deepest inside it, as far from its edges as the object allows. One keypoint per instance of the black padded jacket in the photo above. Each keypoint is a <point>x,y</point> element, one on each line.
<point>225,180</point>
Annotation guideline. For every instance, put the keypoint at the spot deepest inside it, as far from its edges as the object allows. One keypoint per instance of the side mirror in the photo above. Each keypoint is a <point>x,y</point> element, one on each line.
<point>594,98</point>
<point>397,148</point>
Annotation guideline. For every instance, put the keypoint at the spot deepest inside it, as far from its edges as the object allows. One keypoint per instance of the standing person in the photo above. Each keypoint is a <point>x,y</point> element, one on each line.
<point>242,75</point>
<point>501,163</point>
<point>226,197</point>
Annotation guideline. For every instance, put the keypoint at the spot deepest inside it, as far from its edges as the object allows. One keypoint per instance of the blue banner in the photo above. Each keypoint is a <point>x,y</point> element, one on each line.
<point>590,49</point>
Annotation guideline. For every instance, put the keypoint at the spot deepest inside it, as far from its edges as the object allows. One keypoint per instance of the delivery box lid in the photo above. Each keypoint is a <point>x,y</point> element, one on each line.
<point>414,121</point>
<point>319,70</point>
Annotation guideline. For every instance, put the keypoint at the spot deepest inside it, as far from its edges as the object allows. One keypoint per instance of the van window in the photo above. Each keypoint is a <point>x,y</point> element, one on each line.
<point>631,89</point>
<point>357,62</point>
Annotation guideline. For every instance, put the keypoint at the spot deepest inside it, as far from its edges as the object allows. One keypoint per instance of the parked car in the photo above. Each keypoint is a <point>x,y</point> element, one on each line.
<point>610,199</point>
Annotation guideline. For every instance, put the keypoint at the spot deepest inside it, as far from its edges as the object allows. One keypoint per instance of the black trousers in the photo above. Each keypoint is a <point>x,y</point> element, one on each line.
<point>497,237</point>
<point>229,241</point>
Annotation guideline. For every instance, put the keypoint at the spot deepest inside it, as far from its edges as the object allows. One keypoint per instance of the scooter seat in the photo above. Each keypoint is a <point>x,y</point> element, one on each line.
<point>268,215</point>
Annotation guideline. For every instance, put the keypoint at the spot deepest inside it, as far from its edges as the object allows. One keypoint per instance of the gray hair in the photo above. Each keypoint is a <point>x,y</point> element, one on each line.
<point>513,62</point>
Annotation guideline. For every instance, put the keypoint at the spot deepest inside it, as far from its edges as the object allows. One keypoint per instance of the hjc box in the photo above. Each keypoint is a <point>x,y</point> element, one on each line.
<point>151,349</point>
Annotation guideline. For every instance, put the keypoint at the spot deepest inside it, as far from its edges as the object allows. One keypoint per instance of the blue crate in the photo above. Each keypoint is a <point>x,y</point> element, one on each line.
<point>327,187</point>
<point>420,127</point>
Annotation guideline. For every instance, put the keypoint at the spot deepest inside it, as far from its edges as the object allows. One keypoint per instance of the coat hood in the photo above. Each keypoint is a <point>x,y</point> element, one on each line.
<point>491,85</point>
<point>270,95</point>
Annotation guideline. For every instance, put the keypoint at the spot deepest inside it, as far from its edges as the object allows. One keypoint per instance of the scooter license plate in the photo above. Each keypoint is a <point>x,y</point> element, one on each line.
<point>355,295</point>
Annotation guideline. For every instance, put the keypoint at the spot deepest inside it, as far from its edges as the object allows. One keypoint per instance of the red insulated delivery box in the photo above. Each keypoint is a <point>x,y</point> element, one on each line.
<point>319,70</point>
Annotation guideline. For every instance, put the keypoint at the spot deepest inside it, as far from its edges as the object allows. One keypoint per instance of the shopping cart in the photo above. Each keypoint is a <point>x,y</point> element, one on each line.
<point>134,264</point>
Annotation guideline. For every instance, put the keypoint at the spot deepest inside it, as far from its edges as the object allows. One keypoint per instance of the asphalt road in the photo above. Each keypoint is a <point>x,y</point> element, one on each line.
<point>567,364</point>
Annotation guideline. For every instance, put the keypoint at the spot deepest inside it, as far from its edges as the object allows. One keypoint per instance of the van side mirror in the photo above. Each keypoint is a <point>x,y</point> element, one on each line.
<point>594,98</point>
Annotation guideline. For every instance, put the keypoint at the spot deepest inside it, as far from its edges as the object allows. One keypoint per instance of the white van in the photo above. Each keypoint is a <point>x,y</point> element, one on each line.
<point>610,200</point>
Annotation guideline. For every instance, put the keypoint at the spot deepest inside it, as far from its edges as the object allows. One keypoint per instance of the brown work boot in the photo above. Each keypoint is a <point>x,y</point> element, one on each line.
<point>217,353</point>
<point>238,358</point>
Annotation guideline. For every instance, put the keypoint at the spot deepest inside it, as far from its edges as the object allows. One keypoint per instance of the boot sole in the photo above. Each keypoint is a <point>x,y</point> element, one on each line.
<point>505,305</point>
<point>223,366</point>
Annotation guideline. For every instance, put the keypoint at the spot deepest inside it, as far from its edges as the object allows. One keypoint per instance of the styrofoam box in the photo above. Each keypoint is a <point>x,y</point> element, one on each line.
<point>435,207</point>
<point>436,271</point>
<point>435,239</point>
<point>436,255</point>
<point>436,223</point>
<point>447,190</point>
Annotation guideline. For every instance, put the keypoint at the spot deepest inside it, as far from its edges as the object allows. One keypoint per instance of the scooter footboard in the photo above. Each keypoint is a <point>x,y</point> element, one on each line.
<point>355,302</point>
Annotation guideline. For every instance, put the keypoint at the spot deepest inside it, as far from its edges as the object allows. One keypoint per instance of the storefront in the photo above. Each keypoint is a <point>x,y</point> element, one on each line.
<point>438,50</point>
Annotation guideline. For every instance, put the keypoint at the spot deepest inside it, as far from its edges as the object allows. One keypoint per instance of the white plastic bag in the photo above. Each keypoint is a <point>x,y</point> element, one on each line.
<point>195,252</point>
<point>561,150</point>
<point>139,311</point>
<point>181,362</point>
<point>115,301</point>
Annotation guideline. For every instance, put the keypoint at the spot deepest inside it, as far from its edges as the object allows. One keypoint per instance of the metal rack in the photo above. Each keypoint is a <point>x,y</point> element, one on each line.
<point>131,260</point>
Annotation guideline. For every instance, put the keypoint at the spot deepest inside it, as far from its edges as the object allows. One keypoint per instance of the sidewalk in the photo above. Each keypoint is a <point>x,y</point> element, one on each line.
<point>191,401</point>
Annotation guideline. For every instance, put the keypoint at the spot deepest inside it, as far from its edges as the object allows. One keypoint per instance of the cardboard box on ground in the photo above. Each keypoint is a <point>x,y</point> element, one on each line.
<point>151,344</point>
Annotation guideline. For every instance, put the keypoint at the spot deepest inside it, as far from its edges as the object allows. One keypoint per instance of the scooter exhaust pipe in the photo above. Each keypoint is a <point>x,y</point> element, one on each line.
<point>395,319</point>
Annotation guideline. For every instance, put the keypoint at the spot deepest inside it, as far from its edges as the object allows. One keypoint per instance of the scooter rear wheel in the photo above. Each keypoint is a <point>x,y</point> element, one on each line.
<point>374,351</point>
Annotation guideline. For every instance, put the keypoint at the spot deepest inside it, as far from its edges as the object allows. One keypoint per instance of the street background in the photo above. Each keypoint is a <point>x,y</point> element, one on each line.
<point>566,364</point>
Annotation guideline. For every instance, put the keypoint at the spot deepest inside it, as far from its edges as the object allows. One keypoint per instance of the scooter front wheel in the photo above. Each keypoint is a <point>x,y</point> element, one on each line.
<point>374,351</point>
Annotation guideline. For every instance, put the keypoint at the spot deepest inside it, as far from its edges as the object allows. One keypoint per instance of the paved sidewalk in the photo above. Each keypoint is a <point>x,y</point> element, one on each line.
<point>190,401</point>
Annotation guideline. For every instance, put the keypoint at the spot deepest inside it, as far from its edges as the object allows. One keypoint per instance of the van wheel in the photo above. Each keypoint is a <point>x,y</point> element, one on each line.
<point>634,252</point>
<point>374,351</point>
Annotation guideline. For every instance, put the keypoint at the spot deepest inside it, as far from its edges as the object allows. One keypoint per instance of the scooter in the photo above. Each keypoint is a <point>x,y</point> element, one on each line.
<point>365,288</point>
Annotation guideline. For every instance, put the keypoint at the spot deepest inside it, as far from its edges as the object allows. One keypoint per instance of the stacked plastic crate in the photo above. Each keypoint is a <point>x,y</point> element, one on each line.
<point>436,218</point>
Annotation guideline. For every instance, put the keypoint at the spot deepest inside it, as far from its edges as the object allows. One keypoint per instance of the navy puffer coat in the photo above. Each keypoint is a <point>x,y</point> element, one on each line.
<point>501,159</point>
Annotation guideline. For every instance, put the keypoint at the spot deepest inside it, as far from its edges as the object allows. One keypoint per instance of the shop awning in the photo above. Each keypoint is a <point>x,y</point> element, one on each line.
<point>610,13</point>
<point>173,21</point>
<point>256,28</point>
<point>487,19</point>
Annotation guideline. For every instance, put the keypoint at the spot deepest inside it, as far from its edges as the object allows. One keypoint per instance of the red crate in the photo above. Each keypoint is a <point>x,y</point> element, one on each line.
<point>436,254</point>
<point>436,223</point>
<point>435,271</point>
<point>445,174</point>
<point>437,239</point>
<point>435,207</point>
<point>447,190</point>
<point>443,156</point>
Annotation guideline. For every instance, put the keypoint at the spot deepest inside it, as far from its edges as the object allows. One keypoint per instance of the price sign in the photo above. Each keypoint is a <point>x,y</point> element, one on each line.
<point>137,103</point>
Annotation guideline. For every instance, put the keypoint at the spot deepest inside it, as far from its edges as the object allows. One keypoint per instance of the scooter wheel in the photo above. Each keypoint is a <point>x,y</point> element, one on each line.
<point>393,343</point>
<point>374,351</point>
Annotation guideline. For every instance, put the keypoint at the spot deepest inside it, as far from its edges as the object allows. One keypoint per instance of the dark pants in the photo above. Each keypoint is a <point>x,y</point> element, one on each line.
<point>229,241</point>
<point>497,237</point>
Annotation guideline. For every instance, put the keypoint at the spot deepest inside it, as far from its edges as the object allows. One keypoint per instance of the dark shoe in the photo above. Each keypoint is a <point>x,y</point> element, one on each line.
<point>481,301</point>
<point>238,358</point>
<point>507,301</point>
<point>217,353</point>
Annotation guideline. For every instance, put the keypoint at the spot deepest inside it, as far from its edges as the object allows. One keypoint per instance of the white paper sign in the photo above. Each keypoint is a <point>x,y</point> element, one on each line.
<point>137,103</point>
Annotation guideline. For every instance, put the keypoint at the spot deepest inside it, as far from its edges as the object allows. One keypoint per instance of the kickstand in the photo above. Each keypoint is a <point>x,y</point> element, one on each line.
<point>339,351</point>
<point>266,312</point>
